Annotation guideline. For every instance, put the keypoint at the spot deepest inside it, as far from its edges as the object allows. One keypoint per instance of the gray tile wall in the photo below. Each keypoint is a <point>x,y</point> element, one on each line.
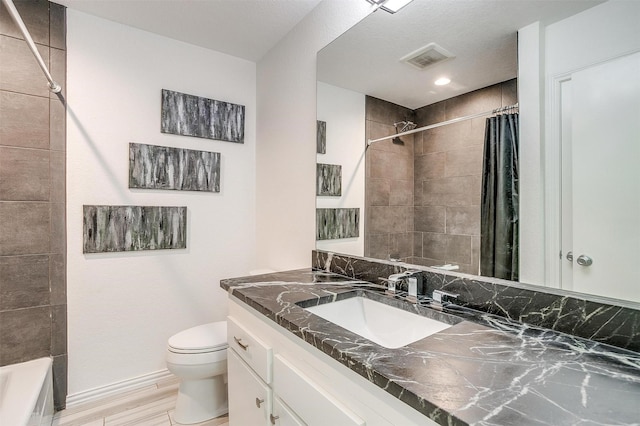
<point>448,178</point>
<point>389,183</point>
<point>423,197</point>
<point>33,305</point>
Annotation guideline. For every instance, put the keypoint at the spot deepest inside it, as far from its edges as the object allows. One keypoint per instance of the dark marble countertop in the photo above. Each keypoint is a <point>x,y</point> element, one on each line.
<point>483,370</point>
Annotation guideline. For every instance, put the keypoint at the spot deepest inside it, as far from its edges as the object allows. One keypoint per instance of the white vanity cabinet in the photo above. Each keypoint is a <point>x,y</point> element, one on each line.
<point>283,415</point>
<point>299,384</point>
<point>249,396</point>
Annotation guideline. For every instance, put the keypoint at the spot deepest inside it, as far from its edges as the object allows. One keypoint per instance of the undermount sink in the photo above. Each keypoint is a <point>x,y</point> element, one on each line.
<point>383,324</point>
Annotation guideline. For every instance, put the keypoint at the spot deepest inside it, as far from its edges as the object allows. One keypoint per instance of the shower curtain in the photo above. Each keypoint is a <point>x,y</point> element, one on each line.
<point>499,209</point>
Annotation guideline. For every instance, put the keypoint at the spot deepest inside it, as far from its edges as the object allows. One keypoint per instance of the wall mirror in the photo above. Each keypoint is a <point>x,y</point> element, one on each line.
<point>419,195</point>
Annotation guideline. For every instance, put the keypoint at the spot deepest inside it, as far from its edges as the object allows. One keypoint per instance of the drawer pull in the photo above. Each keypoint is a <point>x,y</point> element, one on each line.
<point>258,402</point>
<point>239,342</point>
<point>273,418</point>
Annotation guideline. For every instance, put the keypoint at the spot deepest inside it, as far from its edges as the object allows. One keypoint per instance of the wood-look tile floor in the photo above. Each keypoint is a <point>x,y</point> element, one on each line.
<point>149,406</point>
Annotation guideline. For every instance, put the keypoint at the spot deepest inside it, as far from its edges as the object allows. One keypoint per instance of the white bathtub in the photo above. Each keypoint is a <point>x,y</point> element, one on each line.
<point>26,393</point>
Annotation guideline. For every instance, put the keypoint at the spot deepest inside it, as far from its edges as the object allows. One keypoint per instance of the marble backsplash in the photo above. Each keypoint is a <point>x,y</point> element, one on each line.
<point>589,317</point>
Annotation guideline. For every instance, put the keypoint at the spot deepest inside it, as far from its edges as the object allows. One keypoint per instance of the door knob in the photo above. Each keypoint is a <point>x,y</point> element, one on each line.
<point>259,401</point>
<point>570,256</point>
<point>584,260</point>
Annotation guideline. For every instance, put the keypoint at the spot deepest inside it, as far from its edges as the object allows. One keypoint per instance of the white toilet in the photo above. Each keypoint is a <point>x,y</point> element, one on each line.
<point>198,356</point>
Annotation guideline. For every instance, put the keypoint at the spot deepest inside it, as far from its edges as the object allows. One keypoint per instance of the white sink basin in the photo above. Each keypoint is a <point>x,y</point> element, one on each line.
<point>387,326</point>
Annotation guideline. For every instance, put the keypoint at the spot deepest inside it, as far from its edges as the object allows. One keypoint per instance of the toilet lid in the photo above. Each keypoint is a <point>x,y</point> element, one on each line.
<point>210,337</point>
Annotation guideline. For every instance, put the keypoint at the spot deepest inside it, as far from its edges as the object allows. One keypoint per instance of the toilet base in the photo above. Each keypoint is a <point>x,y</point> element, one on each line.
<point>201,399</point>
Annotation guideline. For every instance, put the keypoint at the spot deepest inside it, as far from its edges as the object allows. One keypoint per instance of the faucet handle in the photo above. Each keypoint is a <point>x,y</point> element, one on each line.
<point>412,284</point>
<point>391,284</point>
<point>441,296</point>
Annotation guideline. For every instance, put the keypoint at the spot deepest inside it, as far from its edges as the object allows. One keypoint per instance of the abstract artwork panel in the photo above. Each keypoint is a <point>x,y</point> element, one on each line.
<point>132,228</point>
<point>328,180</point>
<point>321,137</point>
<point>162,167</point>
<point>190,115</point>
<point>333,224</point>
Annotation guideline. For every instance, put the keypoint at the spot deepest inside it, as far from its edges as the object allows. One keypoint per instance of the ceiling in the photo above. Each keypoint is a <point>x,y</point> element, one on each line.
<point>243,28</point>
<point>481,34</point>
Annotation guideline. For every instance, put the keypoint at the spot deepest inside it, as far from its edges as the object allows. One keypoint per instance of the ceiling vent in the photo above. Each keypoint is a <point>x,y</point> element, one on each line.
<point>426,56</point>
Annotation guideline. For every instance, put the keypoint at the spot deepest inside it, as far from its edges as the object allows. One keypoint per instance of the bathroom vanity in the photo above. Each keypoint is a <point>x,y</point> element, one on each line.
<point>288,366</point>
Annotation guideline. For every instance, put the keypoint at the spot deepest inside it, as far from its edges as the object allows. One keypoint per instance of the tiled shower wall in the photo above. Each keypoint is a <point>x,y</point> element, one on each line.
<point>389,183</point>
<point>423,196</point>
<point>33,305</point>
<point>448,178</point>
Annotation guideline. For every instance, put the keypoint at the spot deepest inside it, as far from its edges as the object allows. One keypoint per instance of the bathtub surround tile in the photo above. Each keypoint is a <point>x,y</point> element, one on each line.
<point>35,15</point>
<point>25,334</point>
<point>57,26</point>
<point>429,219</point>
<point>451,248</point>
<point>190,115</point>
<point>58,242</point>
<point>24,228</point>
<point>57,279</point>
<point>337,223</point>
<point>57,125</point>
<point>60,365</point>
<point>510,92</point>
<point>464,162</point>
<point>378,192</point>
<point>32,192</point>
<point>58,330</point>
<point>24,282</point>
<point>22,73</point>
<point>388,219</point>
<point>57,166</point>
<point>378,245</point>
<point>321,137</point>
<point>401,193</point>
<point>452,191</point>
<point>25,120</point>
<point>161,167</point>
<point>24,174</point>
<point>58,69</point>
<point>131,228</point>
<point>463,220</point>
<point>328,180</point>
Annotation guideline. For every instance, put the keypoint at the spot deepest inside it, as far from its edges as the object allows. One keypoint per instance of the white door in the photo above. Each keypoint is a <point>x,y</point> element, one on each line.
<point>605,169</point>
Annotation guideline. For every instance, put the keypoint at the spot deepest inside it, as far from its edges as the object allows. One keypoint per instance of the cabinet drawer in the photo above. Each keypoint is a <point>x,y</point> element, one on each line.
<point>312,403</point>
<point>251,349</point>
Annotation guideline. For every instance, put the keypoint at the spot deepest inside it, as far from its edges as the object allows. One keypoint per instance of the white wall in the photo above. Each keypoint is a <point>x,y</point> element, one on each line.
<point>286,133</point>
<point>531,101</point>
<point>344,112</point>
<point>122,307</point>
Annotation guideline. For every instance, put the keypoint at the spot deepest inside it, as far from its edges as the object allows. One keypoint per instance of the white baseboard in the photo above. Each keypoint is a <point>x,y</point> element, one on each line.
<point>117,388</point>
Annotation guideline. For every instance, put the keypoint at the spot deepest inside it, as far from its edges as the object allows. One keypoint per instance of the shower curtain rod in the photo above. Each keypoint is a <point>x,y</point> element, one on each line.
<point>444,123</point>
<point>11,8</point>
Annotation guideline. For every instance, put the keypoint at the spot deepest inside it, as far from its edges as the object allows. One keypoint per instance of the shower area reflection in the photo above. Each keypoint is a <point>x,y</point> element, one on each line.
<point>423,196</point>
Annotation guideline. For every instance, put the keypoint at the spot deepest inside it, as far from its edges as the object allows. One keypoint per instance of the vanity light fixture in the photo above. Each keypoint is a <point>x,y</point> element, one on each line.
<point>442,81</point>
<point>391,6</point>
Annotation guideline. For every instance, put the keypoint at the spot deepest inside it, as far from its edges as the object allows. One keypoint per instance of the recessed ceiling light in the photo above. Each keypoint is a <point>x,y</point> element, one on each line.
<point>442,81</point>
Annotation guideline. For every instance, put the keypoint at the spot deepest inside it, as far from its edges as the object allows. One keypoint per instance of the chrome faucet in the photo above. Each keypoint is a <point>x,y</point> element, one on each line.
<point>440,297</point>
<point>414,284</point>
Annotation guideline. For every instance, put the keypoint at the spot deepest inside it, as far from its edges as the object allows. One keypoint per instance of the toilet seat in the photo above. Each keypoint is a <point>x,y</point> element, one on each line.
<point>204,338</point>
